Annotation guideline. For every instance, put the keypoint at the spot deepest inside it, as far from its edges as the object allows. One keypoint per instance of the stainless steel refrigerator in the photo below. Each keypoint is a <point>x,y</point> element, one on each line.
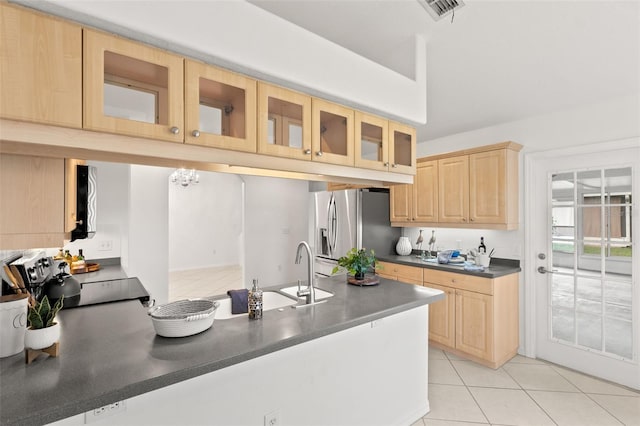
<point>351,218</point>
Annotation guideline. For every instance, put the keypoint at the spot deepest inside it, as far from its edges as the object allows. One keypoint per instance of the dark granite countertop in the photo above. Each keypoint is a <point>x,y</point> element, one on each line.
<point>497,268</point>
<point>110,352</point>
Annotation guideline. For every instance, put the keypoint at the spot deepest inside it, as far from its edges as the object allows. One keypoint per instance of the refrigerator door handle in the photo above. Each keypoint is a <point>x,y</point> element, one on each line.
<point>332,225</point>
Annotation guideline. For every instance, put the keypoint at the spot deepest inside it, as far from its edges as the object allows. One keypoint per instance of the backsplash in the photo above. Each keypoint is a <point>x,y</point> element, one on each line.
<point>506,243</point>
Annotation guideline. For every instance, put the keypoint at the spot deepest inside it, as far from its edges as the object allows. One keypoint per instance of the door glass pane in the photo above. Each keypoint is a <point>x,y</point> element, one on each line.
<point>618,333</point>
<point>589,330</point>
<point>589,295</point>
<point>562,291</point>
<point>563,324</point>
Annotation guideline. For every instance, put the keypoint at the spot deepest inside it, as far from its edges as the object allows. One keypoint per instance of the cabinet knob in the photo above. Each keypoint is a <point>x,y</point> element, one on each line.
<point>196,133</point>
<point>319,154</point>
<point>307,151</point>
<point>464,219</point>
<point>175,130</point>
<point>394,165</point>
<point>386,164</point>
<point>471,219</point>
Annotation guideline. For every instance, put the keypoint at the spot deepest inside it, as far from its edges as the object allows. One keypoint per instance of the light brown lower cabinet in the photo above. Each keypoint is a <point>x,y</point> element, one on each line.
<point>478,319</point>
<point>398,272</point>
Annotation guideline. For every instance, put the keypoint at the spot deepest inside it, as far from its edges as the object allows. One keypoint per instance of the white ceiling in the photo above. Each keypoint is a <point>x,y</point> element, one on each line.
<point>499,61</point>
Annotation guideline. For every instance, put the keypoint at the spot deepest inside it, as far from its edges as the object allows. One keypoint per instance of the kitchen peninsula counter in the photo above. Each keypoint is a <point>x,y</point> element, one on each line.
<point>497,268</point>
<point>110,352</point>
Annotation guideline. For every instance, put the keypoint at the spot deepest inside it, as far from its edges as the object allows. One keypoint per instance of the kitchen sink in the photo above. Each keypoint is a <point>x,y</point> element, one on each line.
<point>293,292</point>
<point>270,300</point>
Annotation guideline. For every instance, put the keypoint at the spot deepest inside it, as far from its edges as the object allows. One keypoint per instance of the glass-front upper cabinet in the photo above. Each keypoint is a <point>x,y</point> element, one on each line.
<point>131,89</point>
<point>371,142</point>
<point>402,148</point>
<point>284,122</point>
<point>332,133</point>
<point>220,108</point>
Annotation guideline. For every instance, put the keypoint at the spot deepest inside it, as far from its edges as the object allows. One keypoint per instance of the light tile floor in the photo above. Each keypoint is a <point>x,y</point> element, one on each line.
<point>525,392</point>
<point>204,282</point>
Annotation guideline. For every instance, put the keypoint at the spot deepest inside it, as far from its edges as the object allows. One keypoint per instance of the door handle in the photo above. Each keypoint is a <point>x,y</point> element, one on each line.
<point>544,270</point>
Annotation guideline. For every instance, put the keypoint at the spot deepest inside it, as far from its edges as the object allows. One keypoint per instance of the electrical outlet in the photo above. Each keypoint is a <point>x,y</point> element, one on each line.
<point>105,245</point>
<point>272,419</point>
<point>104,412</point>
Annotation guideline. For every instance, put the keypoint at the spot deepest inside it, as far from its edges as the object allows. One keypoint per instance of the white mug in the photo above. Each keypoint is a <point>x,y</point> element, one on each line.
<point>483,259</point>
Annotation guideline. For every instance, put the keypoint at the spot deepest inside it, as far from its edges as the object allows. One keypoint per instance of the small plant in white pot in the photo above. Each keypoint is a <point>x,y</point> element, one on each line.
<point>43,331</point>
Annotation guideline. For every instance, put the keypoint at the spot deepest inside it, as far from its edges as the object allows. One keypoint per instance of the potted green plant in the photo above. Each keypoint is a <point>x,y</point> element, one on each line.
<point>43,331</point>
<point>357,262</point>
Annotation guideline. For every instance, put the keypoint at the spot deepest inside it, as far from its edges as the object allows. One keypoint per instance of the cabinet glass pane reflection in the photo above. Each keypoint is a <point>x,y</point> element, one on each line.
<point>134,89</point>
<point>285,123</point>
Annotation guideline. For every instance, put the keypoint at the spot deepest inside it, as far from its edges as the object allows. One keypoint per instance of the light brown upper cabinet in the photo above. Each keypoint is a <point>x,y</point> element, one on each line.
<point>220,108</point>
<point>41,61</point>
<point>493,187</point>
<point>401,203</point>
<point>32,212</point>
<point>417,202</point>
<point>402,148</point>
<point>132,89</point>
<point>384,145</point>
<point>371,142</point>
<point>453,189</point>
<point>480,188</point>
<point>332,133</point>
<point>474,188</point>
<point>284,122</point>
<point>425,192</point>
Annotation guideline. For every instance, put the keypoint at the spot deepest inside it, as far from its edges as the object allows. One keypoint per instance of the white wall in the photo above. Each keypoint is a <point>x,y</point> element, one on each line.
<point>148,254</point>
<point>205,222</point>
<point>276,220</point>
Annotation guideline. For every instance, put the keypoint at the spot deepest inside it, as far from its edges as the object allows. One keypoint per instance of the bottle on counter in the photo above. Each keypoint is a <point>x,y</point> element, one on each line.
<point>68,259</point>
<point>60,255</point>
<point>482,249</point>
<point>255,301</point>
<point>78,262</point>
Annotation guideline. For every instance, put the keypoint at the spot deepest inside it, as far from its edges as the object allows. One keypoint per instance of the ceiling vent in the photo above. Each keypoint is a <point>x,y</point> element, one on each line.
<point>438,9</point>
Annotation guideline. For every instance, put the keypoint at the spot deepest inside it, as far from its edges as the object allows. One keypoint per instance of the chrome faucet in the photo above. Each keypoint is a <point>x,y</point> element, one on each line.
<point>309,292</point>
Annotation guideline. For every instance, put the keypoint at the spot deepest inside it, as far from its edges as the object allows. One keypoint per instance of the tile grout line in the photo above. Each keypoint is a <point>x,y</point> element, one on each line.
<point>588,396</point>
<point>530,397</point>
<point>468,390</point>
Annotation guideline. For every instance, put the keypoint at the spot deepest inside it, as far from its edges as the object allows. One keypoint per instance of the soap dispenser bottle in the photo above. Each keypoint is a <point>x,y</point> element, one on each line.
<point>255,301</point>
